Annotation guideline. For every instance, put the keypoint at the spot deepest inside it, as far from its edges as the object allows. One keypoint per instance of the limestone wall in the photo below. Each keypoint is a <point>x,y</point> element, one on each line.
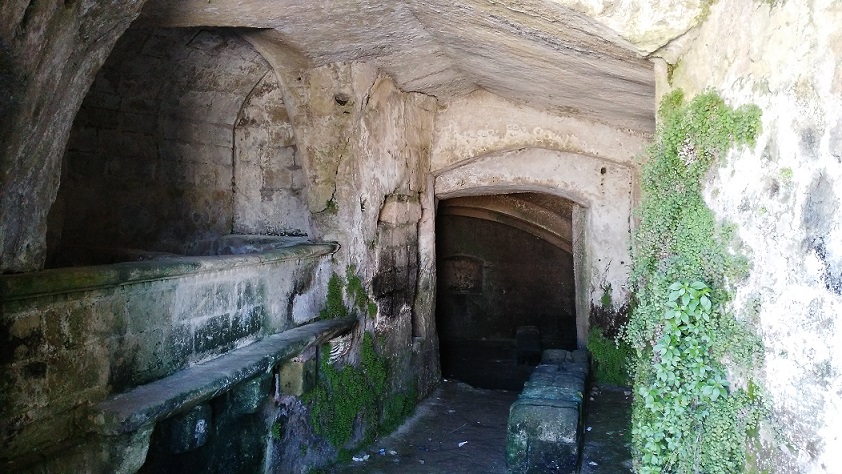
<point>783,195</point>
<point>73,336</point>
<point>486,145</point>
<point>365,146</point>
<point>50,54</point>
<point>173,119</point>
<point>494,278</point>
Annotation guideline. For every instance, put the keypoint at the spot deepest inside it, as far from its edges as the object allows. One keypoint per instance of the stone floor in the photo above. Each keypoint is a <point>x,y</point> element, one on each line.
<point>607,449</point>
<point>463,429</point>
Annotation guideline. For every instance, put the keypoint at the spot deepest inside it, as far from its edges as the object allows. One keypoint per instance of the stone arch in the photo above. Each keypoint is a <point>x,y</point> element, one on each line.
<point>175,119</point>
<point>603,191</point>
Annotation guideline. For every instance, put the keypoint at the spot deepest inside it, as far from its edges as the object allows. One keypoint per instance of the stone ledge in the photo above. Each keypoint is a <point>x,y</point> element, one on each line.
<point>153,402</point>
<point>545,422</point>
<point>73,279</point>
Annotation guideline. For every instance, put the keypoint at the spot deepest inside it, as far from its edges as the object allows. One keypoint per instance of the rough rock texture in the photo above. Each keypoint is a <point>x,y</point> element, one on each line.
<point>485,144</point>
<point>49,54</point>
<point>544,432</point>
<point>648,25</point>
<point>784,196</point>
<point>604,193</point>
<point>532,51</point>
<point>171,117</point>
<point>72,336</point>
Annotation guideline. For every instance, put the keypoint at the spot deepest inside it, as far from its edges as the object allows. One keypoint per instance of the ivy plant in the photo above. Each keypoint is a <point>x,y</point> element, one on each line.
<point>686,417</point>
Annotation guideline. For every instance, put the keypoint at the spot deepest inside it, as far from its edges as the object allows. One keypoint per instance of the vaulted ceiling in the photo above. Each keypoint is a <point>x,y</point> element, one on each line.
<point>536,52</point>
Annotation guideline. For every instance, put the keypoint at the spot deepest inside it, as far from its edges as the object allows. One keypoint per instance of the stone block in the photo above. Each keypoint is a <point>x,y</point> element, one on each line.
<point>543,436</point>
<point>562,379</point>
<point>212,333</point>
<point>297,377</point>
<point>570,392</point>
<point>247,397</point>
<point>580,356</point>
<point>190,430</point>
<point>393,212</point>
<point>555,356</point>
<point>528,345</point>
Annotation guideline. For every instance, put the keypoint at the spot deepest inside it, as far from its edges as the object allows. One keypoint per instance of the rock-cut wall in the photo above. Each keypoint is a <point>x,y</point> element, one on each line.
<point>783,195</point>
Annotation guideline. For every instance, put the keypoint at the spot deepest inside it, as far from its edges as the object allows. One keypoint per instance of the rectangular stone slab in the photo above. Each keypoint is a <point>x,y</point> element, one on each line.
<point>543,436</point>
<point>158,400</point>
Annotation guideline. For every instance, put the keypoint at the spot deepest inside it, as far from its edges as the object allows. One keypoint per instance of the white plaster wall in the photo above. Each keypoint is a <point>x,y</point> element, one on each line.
<point>603,188</point>
<point>784,195</point>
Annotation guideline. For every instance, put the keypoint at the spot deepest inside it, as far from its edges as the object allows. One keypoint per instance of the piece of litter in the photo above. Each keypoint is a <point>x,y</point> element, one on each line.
<point>463,443</point>
<point>382,451</point>
<point>421,461</point>
<point>592,463</point>
<point>451,411</point>
<point>360,458</point>
<point>589,428</point>
<point>393,452</point>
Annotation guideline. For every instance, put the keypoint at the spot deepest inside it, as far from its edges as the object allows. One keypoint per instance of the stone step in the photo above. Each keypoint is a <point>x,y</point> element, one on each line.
<point>156,401</point>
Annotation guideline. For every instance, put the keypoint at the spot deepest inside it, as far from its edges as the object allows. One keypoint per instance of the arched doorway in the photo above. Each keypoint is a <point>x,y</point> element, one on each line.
<point>505,283</point>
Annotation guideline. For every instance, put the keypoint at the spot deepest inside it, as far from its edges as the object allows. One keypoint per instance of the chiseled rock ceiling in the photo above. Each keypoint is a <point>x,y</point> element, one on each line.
<point>538,52</point>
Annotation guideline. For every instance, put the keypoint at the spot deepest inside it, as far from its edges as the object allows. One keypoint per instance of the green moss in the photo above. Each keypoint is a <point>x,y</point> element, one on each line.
<point>610,358</point>
<point>277,431</point>
<point>605,299</point>
<point>340,398</point>
<point>355,289</point>
<point>786,174</point>
<point>358,294</point>
<point>397,408</point>
<point>349,395</point>
<point>685,417</point>
<point>331,207</point>
<point>671,72</point>
<point>334,306</point>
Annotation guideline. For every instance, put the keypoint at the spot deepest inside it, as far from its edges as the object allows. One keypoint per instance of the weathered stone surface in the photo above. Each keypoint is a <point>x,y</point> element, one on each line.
<point>70,336</point>
<point>297,377</point>
<point>557,357</point>
<point>604,191</point>
<point>543,436</point>
<point>50,54</point>
<point>164,173</point>
<point>189,430</point>
<point>152,402</point>
<point>781,195</point>
<point>532,51</point>
<point>649,24</point>
<point>545,423</point>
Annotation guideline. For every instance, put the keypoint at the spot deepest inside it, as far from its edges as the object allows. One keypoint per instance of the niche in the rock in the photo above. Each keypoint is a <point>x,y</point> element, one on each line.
<point>183,138</point>
<point>505,286</point>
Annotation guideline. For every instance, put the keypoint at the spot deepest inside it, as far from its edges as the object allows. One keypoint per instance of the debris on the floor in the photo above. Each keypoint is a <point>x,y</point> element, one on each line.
<point>463,443</point>
<point>360,458</point>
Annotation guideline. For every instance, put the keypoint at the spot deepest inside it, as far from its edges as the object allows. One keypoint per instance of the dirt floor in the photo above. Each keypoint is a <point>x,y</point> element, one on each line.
<point>462,429</point>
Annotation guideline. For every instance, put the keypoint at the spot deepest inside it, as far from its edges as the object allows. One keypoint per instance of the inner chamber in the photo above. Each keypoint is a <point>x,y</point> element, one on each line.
<point>505,285</point>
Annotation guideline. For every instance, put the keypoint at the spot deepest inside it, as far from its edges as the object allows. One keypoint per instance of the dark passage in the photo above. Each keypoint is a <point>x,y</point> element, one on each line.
<point>505,286</point>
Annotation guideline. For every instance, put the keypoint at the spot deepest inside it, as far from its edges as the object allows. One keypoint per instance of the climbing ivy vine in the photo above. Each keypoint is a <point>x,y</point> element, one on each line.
<point>686,417</point>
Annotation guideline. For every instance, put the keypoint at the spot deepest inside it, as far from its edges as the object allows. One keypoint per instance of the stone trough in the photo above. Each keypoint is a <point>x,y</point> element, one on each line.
<point>545,422</point>
<point>131,344</point>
